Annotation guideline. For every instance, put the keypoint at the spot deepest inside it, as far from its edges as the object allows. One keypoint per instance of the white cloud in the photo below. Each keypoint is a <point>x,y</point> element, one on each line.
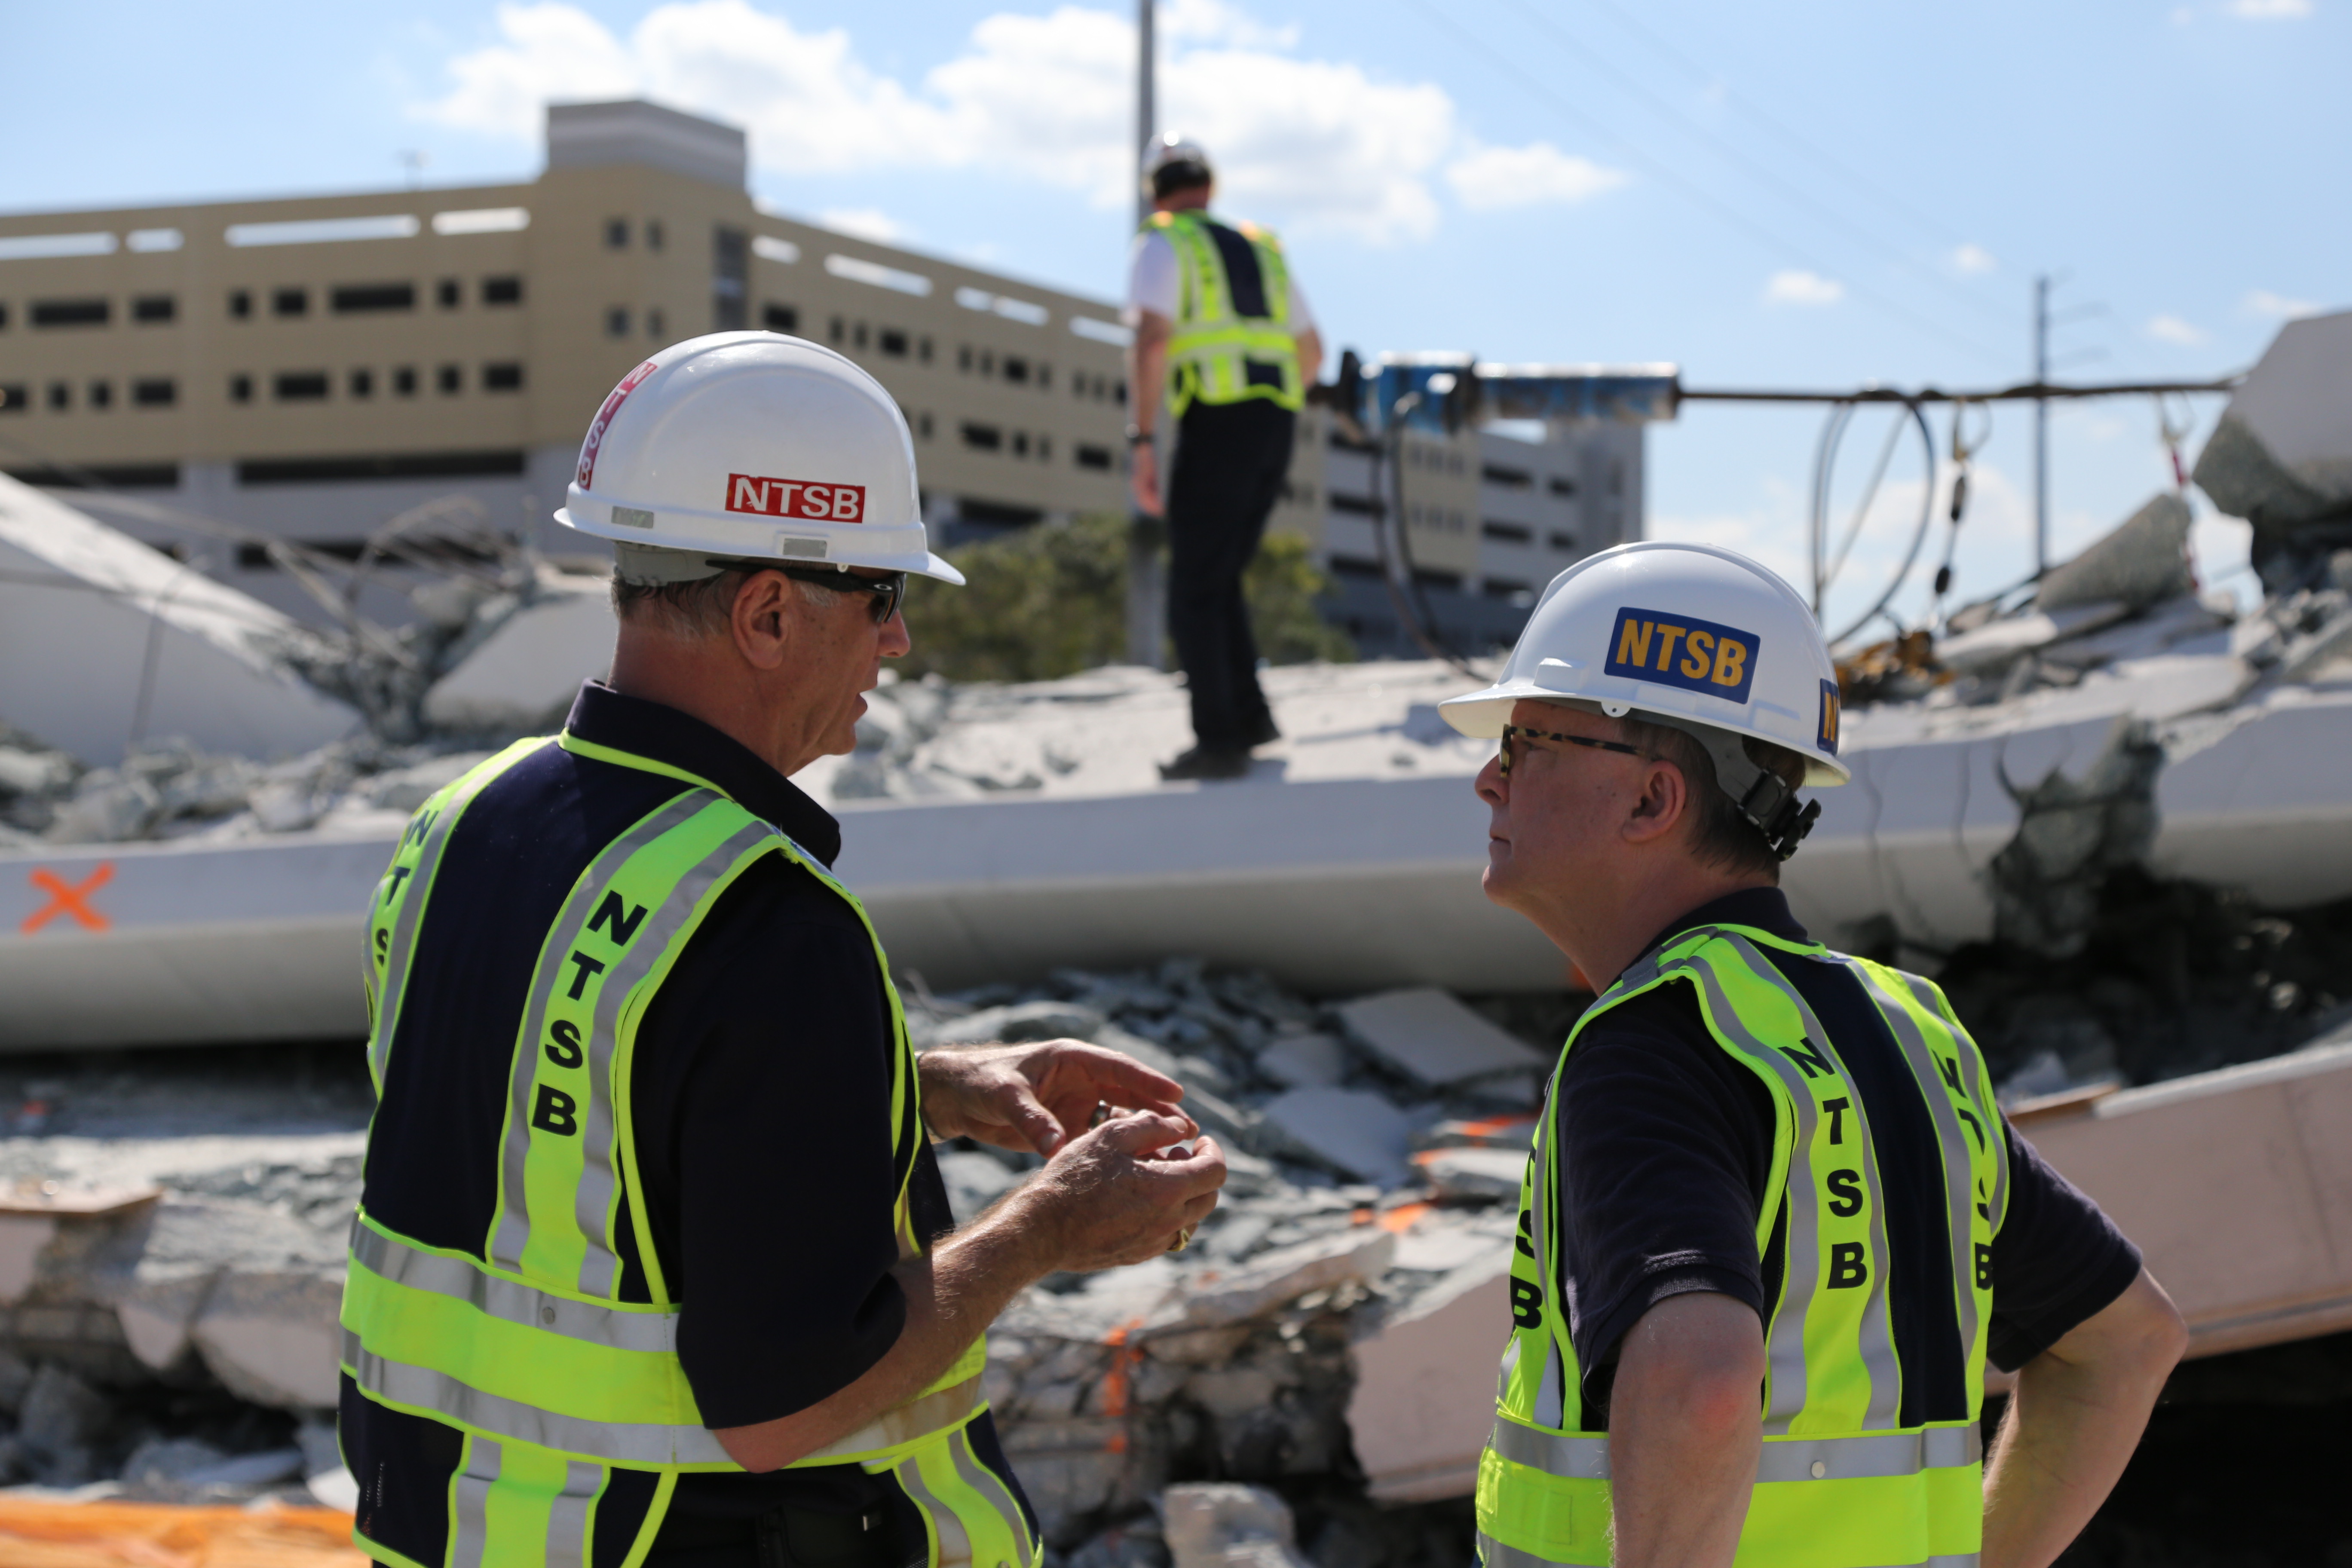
<point>1314,142</point>
<point>2271,10</point>
<point>865,223</point>
<point>1493,177</point>
<point>1798,287</point>
<point>2173,330</point>
<point>2262,302</point>
<point>1973,259</point>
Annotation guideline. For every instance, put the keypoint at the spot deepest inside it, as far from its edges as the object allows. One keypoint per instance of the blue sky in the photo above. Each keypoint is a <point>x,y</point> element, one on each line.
<point>1812,195</point>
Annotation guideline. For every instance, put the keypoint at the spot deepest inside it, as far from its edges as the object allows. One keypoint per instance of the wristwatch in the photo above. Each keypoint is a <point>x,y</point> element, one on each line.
<point>1138,436</point>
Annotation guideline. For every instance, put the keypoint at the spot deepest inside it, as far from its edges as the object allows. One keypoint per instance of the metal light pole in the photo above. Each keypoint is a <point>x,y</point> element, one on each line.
<point>2041,426</point>
<point>1146,596</point>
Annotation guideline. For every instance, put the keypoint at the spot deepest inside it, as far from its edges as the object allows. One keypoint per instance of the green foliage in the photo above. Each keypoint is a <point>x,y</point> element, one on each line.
<point>1050,601</point>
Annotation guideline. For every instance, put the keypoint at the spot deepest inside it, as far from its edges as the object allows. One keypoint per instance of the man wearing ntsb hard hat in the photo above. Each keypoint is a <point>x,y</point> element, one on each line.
<point>1774,1226</point>
<point>652,1264</point>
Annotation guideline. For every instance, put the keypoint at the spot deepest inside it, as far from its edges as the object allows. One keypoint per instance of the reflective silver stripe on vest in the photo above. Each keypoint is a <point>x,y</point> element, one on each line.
<point>471,1496</point>
<point>1784,1349</point>
<point>1973,1084</point>
<point>1494,1553</point>
<point>1959,1171</point>
<point>567,1514</point>
<point>1875,1340</point>
<point>619,1442</point>
<point>950,1406</point>
<point>513,1231</point>
<point>404,930</point>
<point>951,1545</point>
<point>989,1485</point>
<point>511,1301</point>
<point>1876,1454</point>
<point>1586,1457</point>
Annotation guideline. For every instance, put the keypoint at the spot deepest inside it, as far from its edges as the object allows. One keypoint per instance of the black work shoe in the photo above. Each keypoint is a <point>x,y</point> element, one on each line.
<point>1262,730</point>
<point>1207,763</point>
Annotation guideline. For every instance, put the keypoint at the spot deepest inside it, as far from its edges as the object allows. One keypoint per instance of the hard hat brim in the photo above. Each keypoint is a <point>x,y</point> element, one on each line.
<point>1481,715</point>
<point>880,547</point>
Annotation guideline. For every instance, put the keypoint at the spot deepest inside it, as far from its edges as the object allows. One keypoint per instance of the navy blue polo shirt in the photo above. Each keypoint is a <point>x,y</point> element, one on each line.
<point>1665,1145</point>
<point>770,1197</point>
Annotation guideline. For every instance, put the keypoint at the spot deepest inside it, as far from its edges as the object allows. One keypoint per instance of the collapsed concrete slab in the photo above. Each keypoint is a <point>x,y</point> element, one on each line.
<point>1217,1524</point>
<point>1418,1424</point>
<point>105,642</point>
<point>2281,457</point>
<point>1358,1132</point>
<point>1427,1034</point>
<point>523,677</point>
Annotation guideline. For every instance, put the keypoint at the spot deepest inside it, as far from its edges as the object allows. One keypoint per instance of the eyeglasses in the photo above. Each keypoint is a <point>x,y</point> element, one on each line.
<point>887,589</point>
<point>1511,731</point>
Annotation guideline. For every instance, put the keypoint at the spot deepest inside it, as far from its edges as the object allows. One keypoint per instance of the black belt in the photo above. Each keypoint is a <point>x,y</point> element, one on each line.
<point>786,1538</point>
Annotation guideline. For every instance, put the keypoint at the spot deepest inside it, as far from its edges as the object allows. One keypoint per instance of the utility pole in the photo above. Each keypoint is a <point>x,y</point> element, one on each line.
<point>1147,598</point>
<point>2041,425</point>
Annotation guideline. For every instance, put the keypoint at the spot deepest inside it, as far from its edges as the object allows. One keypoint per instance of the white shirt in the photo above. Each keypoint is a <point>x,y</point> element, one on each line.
<point>1151,283</point>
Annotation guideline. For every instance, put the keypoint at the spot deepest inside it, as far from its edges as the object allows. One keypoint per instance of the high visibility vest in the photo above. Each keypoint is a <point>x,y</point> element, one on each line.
<point>523,1343</point>
<point>1230,340</point>
<point>1841,1483</point>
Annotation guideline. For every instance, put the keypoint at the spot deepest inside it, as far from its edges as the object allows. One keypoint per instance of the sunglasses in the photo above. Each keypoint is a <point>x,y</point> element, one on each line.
<point>887,590</point>
<point>1519,731</point>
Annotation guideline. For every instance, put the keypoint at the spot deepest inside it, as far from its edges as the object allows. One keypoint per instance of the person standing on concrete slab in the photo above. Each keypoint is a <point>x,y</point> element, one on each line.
<point>1774,1228</point>
<point>653,1263</point>
<point>1226,347</point>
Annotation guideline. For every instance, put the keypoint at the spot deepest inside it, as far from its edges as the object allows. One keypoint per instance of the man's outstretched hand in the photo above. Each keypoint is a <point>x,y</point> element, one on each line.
<point>1039,1096</point>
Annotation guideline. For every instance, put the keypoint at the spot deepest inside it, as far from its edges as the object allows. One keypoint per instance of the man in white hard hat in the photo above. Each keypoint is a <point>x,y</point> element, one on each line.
<point>653,1263</point>
<point>1774,1226</point>
<point>1226,347</point>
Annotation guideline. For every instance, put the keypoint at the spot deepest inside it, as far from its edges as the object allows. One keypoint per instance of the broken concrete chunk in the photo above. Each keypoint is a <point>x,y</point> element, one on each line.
<point>2142,561</point>
<point>1355,1130</point>
<point>60,1424</point>
<point>1230,1296</point>
<point>1221,1524</point>
<point>1485,1175</point>
<point>1426,1034</point>
<point>525,673</point>
<point>2281,455</point>
<point>271,1335</point>
<point>1304,1061</point>
<point>1415,1434</point>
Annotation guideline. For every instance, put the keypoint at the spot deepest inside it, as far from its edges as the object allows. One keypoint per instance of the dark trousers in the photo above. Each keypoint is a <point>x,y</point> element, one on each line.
<point>1230,460</point>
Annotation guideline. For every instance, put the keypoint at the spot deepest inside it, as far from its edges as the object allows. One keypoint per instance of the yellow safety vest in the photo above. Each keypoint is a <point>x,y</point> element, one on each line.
<point>1216,355</point>
<point>1840,1482</point>
<point>526,1346</point>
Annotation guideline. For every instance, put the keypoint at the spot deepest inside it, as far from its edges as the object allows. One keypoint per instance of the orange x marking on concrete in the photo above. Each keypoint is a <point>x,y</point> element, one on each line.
<point>69,899</point>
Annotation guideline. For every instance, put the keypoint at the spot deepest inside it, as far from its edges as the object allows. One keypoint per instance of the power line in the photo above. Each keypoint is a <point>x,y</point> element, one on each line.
<point>1692,192</point>
<point>1756,169</point>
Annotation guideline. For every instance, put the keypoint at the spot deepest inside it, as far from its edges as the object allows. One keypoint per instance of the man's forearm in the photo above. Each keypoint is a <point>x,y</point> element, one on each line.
<point>2077,1416</point>
<point>1147,368</point>
<point>952,1296</point>
<point>1683,1433</point>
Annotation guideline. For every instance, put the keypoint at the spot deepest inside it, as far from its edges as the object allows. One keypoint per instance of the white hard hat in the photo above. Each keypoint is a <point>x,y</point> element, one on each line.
<point>1170,148</point>
<point>750,446</point>
<point>1688,634</point>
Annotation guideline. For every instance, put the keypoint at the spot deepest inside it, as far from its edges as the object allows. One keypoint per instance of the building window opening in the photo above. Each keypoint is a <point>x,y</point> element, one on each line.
<point>154,310</point>
<point>857,336</point>
<point>361,383</point>
<point>1019,444</point>
<point>981,437</point>
<point>4,318</point>
<point>1563,541</point>
<point>299,386</point>
<point>60,396</point>
<point>240,305</point>
<point>505,376</point>
<point>364,299</point>
<point>987,363</point>
<point>1045,378</point>
<point>922,346</point>
<point>13,399</point>
<point>240,389</point>
<point>1508,532</point>
<point>616,321</point>
<point>1562,487</point>
<point>836,329</point>
<point>450,379</point>
<point>891,341</point>
<point>155,391</point>
<point>71,312</point>
<point>963,358</point>
<point>101,394</point>
<point>506,291</point>
<point>1045,449</point>
<point>1119,391</point>
<point>617,233</point>
<point>289,303</point>
<point>1096,458</point>
<point>653,234</point>
<point>656,324</point>
<point>403,381</point>
<point>780,318</point>
<point>1016,369</point>
<point>923,427</point>
<point>449,293</point>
